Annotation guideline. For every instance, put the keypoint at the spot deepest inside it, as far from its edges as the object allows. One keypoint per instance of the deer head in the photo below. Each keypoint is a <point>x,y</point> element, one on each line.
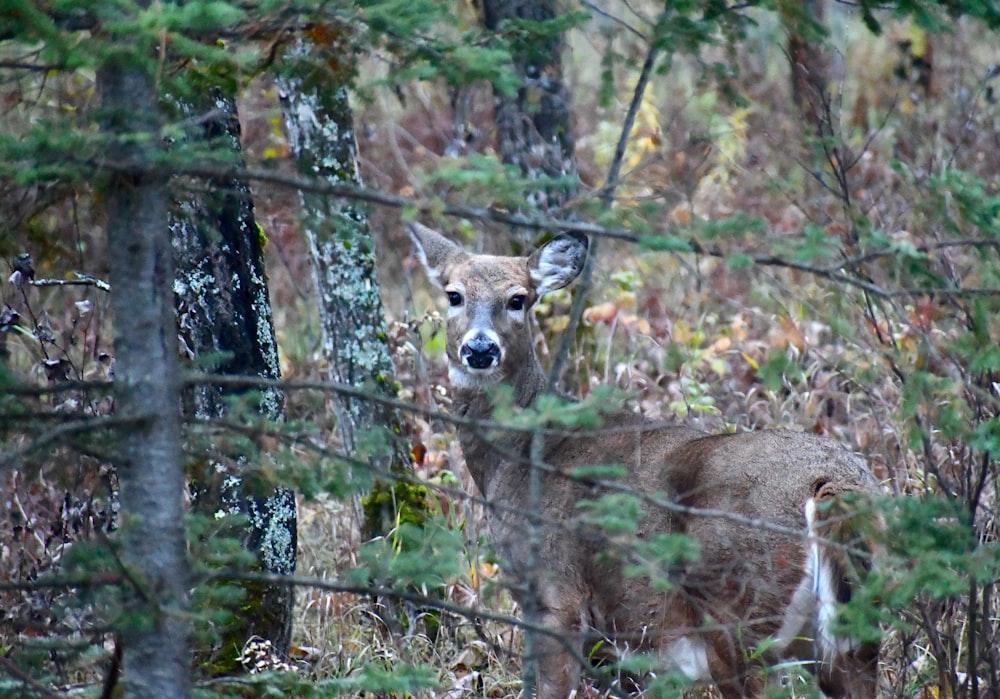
<point>489,299</point>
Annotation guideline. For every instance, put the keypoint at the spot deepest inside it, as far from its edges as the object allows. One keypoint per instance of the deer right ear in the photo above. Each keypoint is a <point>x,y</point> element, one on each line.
<point>436,252</point>
<point>557,263</point>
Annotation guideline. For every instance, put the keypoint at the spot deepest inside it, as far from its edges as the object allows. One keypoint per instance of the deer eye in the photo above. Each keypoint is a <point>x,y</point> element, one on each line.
<point>516,303</point>
<point>454,298</point>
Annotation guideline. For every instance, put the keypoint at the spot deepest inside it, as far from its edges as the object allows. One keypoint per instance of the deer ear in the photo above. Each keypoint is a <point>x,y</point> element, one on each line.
<point>557,263</point>
<point>435,251</point>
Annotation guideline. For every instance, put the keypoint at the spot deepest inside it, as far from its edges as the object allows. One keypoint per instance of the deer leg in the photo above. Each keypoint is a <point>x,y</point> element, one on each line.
<point>852,674</point>
<point>728,670</point>
<point>558,669</point>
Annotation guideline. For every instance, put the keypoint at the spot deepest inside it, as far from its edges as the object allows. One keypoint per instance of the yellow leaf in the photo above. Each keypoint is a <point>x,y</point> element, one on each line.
<point>681,333</point>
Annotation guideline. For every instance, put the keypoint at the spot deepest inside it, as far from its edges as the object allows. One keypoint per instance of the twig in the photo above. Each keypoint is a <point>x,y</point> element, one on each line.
<point>541,223</point>
<point>60,387</point>
<point>832,274</point>
<point>607,193</point>
<point>37,67</point>
<point>61,432</point>
<point>614,18</point>
<point>213,170</point>
<point>59,583</point>
<point>408,595</point>
<point>79,280</point>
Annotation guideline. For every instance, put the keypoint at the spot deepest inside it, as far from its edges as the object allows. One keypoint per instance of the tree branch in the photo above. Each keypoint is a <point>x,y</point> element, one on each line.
<point>79,280</point>
<point>61,432</point>
<point>607,193</point>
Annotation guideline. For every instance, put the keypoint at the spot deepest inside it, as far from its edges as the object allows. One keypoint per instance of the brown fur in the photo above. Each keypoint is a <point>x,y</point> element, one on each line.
<point>750,582</point>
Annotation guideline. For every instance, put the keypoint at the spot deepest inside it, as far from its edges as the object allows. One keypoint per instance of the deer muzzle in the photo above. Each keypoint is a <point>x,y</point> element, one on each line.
<point>480,352</point>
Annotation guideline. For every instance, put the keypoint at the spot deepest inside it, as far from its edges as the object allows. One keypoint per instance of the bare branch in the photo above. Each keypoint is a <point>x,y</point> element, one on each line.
<point>607,194</point>
<point>614,18</point>
<point>538,222</point>
<point>653,499</point>
<point>60,433</point>
<point>78,280</point>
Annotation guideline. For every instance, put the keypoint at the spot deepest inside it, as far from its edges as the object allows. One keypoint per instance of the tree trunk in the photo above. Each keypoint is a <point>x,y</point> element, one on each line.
<point>535,134</point>
<point>320,129</point>
<point>533,126</point>
<point>223,309</point>
<point>156,657</point>
<point>803,20</point>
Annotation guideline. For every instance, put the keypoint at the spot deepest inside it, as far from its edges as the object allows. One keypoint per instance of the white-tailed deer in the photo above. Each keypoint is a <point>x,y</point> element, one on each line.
<point>758,594</point>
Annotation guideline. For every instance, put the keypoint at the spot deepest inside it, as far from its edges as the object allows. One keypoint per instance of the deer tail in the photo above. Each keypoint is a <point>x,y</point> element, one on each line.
<point>841,550</point>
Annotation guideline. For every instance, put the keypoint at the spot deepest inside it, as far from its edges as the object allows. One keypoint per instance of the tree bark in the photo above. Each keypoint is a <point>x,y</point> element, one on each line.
<point>533,126</point>
<point>320,128</point>
<point>156,657</point>
<point>803,20</point>
<point>223,309</point>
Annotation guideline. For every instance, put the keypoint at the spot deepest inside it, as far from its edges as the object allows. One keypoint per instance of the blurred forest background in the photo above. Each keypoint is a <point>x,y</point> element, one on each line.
<point>796,219</point>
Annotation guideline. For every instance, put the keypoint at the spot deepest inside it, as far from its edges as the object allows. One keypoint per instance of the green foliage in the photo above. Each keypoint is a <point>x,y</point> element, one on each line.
<point>655,558</point>
<point>893,281</point>
<point>934,15</point>
<point>613,513</point>
<point>777,370</point>
<point>406,501</point>
<point>599,472</point>
<point>553,411</point>
<point>666,243</point>
<point>485,180</point>
<point>424,557</point>
<point>532,38</point>
<point>734,228</point>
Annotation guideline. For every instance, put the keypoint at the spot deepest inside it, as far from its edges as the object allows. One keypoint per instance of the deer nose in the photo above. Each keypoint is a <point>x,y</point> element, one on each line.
<point>480,352</point>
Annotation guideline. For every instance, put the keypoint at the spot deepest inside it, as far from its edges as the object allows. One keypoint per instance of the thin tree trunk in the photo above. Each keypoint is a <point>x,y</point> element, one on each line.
<point>803,20</point>
<point>156,657</point>
<point>223,308</point>
<point>320,129</point>
<point>535,134</point>
<point>533,126</point>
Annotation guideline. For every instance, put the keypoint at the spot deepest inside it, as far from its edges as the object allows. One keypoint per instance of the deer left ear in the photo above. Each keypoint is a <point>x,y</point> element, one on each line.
<point>557,263</point>
<point>436,252</point>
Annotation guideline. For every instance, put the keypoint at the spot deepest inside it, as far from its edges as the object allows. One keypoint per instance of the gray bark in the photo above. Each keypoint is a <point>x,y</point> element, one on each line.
<point>223,307</point>
<point>802,20</point>
<point>533,126</point>
<point>320,130</point>
<point>156,657</point>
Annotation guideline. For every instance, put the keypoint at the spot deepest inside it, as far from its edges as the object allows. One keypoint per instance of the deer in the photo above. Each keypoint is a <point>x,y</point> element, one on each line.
<point>769,510</point>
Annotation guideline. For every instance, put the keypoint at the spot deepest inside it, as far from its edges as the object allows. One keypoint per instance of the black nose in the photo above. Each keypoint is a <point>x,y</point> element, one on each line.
<point>480,352</point>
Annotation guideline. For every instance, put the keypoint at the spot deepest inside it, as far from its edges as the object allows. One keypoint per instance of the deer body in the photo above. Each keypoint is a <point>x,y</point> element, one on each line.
<point>751,587</point>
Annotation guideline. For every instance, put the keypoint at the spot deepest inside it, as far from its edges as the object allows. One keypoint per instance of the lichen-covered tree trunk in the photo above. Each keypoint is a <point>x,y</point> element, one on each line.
<point>320,129</point>
<point>533,126</point>
<point>156,656</point>
<point>224,311</point>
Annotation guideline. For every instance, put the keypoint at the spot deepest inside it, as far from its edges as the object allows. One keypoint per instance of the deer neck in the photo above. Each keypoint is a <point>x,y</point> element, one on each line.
<point>490,452</point>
